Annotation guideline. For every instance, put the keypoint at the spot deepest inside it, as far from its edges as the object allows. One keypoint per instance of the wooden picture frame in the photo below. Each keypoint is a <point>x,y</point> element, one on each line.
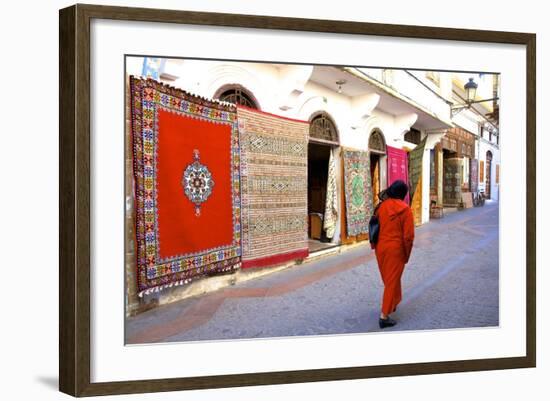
<point>74,199</point>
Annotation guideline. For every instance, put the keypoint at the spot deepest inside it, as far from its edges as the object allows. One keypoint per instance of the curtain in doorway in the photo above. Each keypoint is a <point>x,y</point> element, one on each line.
<point>186,175</point>
<point>331,204</point>
<point>273,188</point>
<point>358,191</point>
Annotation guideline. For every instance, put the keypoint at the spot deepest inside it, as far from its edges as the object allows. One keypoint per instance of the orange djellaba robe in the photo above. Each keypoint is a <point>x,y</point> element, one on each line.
<point>395,242</point>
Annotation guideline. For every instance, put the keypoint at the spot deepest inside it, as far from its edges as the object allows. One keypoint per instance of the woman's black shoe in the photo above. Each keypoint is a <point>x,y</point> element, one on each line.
<point>387,322</point>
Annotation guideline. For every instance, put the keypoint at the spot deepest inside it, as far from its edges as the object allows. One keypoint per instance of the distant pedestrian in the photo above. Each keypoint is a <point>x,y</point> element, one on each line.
<point>394,246</point>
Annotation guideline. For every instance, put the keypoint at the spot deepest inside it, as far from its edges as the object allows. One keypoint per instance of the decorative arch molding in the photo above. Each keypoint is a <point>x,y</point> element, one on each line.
<point>374,123</point>
<point>394,129</point>
<point>323,127</point>
<point>377,141</point>
<point>227,76</point>
<point>314,105</point>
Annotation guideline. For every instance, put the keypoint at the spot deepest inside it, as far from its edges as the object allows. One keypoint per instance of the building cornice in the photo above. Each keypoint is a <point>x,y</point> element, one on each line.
<point>396,94</point>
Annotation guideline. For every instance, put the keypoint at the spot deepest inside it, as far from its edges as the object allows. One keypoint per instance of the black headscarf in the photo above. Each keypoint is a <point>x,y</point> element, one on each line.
<point>397,190</point>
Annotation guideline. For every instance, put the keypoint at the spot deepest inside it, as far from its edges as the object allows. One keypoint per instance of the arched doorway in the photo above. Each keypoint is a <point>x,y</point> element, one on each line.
<point>488,163</point>
<point>323,138</point>
<point>378,166</point>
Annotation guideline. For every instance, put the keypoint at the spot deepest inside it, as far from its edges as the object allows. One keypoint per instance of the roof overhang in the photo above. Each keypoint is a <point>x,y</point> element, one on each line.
<point>395,103</point>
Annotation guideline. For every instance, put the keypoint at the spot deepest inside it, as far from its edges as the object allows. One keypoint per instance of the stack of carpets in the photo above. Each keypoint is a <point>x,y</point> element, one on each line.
<point>358,191</point>
<point>274,188</point>
<point>186,184</point>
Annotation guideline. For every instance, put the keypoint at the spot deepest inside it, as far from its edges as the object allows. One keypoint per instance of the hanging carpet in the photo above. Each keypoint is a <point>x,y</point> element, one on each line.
<point>274,188</point>
<point>415,167</point>
<point>398,168</point>
<point>186,184</point>
<point>452,181</point>
<point>331,204</point>
<point>358,191</point>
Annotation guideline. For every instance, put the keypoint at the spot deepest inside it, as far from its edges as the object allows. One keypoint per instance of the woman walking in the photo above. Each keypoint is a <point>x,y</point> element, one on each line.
<point>394,246</point>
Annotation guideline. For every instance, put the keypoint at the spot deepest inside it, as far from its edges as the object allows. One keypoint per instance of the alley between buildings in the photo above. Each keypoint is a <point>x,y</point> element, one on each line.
<point>451,282</point>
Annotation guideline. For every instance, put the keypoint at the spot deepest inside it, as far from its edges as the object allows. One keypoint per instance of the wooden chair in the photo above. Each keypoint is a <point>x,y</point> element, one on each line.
<point>315,225</point>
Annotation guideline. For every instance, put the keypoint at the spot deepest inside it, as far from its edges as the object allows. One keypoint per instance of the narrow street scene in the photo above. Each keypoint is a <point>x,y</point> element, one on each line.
<point>451,281</point>
<point>277,199</point>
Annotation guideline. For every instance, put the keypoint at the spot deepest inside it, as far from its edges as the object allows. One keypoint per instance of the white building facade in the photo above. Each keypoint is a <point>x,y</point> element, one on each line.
<point>386,112</point>
<point>399,106</point>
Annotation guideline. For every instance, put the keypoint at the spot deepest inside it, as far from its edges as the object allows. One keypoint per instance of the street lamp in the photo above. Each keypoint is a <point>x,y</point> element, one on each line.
<point>340,82</point>
<point>470,88</point>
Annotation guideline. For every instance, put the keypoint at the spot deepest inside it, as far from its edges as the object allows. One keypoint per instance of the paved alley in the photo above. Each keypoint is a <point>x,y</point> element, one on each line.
<point>452,281</point>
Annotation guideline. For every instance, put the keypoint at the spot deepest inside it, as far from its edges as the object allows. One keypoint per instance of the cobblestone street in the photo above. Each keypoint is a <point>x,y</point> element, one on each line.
<point>452,281</point>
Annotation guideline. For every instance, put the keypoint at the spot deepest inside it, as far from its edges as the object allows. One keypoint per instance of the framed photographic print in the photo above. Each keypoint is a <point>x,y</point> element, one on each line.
<point>219,175</point>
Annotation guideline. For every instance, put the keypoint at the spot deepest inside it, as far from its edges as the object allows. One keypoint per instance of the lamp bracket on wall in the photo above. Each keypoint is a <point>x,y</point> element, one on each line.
<point>459,107</point>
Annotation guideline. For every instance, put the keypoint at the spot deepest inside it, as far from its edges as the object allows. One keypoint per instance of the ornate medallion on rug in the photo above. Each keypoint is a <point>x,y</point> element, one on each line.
<point>358,191</point>
<point>274,188</point>
<point>186,185</point>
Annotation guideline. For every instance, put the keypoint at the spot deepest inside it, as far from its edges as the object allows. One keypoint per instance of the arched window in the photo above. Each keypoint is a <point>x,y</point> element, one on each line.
<point>377,144</point>
<point>239,97</point>
<point>322,127</point>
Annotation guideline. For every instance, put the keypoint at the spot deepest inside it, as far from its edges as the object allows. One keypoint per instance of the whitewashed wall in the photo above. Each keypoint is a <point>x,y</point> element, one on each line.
<point>287,91</point>
<point>283,92</point>
<point>468,121</point>
<point>484,146</point>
